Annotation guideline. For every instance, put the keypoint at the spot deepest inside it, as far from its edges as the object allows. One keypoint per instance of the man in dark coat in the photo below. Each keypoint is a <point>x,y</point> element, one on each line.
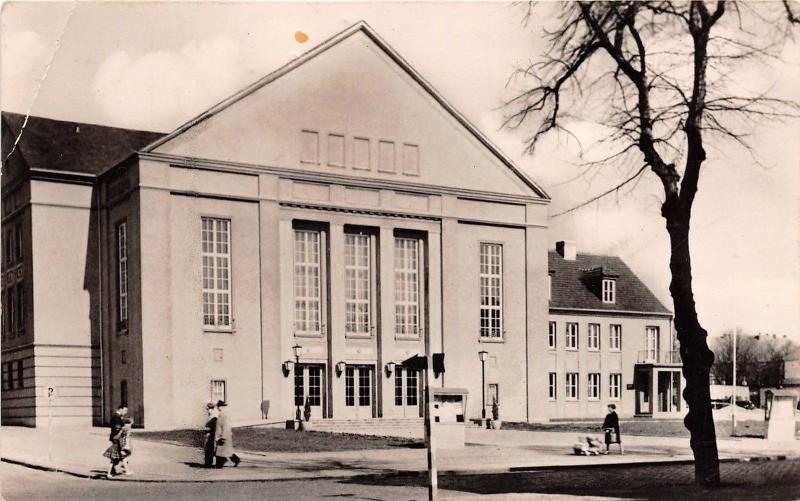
<point>611,428</point>
<point>210,447</point>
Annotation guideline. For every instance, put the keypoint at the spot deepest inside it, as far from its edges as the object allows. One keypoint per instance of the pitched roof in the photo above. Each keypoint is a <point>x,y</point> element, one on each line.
<point>59,145</point>
<point>575,285</point>
<point>367,30</point>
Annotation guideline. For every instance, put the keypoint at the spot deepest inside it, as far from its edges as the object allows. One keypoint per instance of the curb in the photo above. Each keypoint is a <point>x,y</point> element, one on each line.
<point>404,473</point>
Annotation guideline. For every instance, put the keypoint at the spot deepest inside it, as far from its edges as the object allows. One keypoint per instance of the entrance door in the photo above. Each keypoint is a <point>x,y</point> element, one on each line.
<point>308,385</point>
<point>642,385</point>
<point>407,392</point>
<point>669,386</point>
<point>359,395</point>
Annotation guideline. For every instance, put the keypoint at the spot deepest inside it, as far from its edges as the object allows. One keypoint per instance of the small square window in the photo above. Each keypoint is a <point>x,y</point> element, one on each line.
<point>218,390</point>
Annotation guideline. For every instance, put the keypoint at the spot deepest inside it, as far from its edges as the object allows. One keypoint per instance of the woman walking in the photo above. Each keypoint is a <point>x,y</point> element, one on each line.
<point>117,434</point>
<point>224,435</point>
<point>210,447</point>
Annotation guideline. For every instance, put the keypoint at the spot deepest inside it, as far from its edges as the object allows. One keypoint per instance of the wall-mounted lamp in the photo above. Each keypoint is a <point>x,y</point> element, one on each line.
<point>287,368</point>
<point>389,368</point>
<point>340,368</point>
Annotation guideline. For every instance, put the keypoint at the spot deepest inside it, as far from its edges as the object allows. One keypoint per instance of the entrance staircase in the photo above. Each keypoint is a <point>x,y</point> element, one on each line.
<point>386,427</point>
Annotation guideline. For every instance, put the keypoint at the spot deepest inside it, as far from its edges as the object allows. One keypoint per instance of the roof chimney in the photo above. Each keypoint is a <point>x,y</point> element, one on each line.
<point>566,249</point>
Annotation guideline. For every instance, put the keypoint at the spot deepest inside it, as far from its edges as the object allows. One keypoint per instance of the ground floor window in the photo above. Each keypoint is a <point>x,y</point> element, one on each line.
<point>217,390</point>
<point>572,386</point>
<point>594,386</point>
<point>551,386</point>
<point>614,386</point>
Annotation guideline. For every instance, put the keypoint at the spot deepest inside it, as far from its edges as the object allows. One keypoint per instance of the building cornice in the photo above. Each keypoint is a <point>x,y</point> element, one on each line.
<point>608,313</point>
<point>334,178</point>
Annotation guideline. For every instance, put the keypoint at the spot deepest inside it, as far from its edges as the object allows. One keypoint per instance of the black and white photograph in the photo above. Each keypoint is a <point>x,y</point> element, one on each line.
<point>421,250</point>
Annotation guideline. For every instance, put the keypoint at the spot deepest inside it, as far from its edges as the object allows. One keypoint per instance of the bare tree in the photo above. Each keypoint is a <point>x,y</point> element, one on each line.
<point>759,359</point>
<point>646,66</point>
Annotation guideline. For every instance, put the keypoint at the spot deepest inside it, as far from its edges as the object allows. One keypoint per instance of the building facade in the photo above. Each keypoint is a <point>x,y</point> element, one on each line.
<point>609,341</point>
<point>295,243</point>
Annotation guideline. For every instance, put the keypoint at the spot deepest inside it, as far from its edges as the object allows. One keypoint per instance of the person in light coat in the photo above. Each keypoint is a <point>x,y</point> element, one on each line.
<point>224,436</point>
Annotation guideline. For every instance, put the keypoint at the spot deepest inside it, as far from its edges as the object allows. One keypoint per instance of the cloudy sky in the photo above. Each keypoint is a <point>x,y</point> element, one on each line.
<point>155,65</point>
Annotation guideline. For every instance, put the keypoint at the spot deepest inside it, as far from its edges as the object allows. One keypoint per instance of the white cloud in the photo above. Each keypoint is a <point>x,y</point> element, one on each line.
<point>167,87</point>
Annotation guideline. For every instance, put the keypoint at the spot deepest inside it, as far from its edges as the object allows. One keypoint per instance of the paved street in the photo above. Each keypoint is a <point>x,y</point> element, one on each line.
<point>764,480</point>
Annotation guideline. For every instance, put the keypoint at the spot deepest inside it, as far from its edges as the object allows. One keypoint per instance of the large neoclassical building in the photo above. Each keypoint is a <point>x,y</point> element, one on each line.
<point>294,243</point>
<point>339,204</point>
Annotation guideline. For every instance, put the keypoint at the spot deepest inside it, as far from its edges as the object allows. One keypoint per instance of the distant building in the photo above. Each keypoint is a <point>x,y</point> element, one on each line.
<point>339,205</point>
<point>610,340</point>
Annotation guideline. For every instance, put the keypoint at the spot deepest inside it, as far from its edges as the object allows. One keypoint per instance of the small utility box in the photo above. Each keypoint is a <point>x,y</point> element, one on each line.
<point>780,414</point>
<point>448,419</point>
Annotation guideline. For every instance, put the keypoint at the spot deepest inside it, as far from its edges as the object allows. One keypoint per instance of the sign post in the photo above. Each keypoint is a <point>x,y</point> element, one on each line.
<point>433,477</point>
<point>51,394</point>
<point>424,364</point>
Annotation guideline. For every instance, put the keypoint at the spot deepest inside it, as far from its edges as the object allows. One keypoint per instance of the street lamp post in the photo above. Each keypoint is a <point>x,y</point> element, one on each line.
<point>733,397</point>
<point>297,349</point>
<point>482,355</point>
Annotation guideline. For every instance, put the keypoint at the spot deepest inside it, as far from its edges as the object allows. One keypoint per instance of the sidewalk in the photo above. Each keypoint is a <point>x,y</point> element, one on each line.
<point>78,451</point>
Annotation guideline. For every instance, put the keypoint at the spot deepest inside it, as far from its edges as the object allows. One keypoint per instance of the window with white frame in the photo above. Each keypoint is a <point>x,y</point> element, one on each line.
<point>122,273</point>
<point>551,336</point>
<point>594,386</point>
<point>491,280</point>
<point>358,283</point>
<point>609,290</point>
<point>217,390</point>
<point>614,386</point>
<point>407,291</point>
<point>652,342</point>
<point>572,336</point>
<point>593,337</point>
<point>571,386</point>
<point>314,385</point>
<point>615,337</point>
<point>216,260</point>
<point>308,281</point>
<point>552,385</point>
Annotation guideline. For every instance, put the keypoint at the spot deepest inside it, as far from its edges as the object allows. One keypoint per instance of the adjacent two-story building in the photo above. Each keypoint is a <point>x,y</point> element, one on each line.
<point>610,340</point>
<point>296,243</point>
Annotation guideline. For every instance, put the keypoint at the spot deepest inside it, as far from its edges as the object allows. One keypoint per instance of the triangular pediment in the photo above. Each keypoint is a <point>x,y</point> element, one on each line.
<point>351,106</point>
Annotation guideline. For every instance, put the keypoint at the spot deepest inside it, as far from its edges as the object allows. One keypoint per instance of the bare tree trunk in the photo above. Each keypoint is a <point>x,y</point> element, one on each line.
<point>695,354</point>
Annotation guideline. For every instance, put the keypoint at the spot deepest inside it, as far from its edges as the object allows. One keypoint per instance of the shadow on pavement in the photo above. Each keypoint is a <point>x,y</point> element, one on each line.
<point>778,480</point>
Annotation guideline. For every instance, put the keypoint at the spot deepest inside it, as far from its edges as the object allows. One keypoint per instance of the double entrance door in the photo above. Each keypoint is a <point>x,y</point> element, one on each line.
<point>309,386</point>
<point>359,392</point>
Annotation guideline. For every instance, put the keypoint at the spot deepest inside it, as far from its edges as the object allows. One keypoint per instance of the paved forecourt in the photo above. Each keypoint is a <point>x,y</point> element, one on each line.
<point>78,451</point>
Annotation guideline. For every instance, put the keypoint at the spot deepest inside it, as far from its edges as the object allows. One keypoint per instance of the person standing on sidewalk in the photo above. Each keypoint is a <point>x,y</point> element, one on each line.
<point>210,447</point>
<point>611,428</point>
<point>224,435</point>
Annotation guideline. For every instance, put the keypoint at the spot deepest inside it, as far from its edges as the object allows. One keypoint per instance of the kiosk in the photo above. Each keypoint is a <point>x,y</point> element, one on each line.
<point>779,414</point>
<point>449,410</point>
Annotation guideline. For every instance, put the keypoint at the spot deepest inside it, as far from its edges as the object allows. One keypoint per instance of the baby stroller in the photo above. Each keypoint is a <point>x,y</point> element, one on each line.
<point>587,446</point>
